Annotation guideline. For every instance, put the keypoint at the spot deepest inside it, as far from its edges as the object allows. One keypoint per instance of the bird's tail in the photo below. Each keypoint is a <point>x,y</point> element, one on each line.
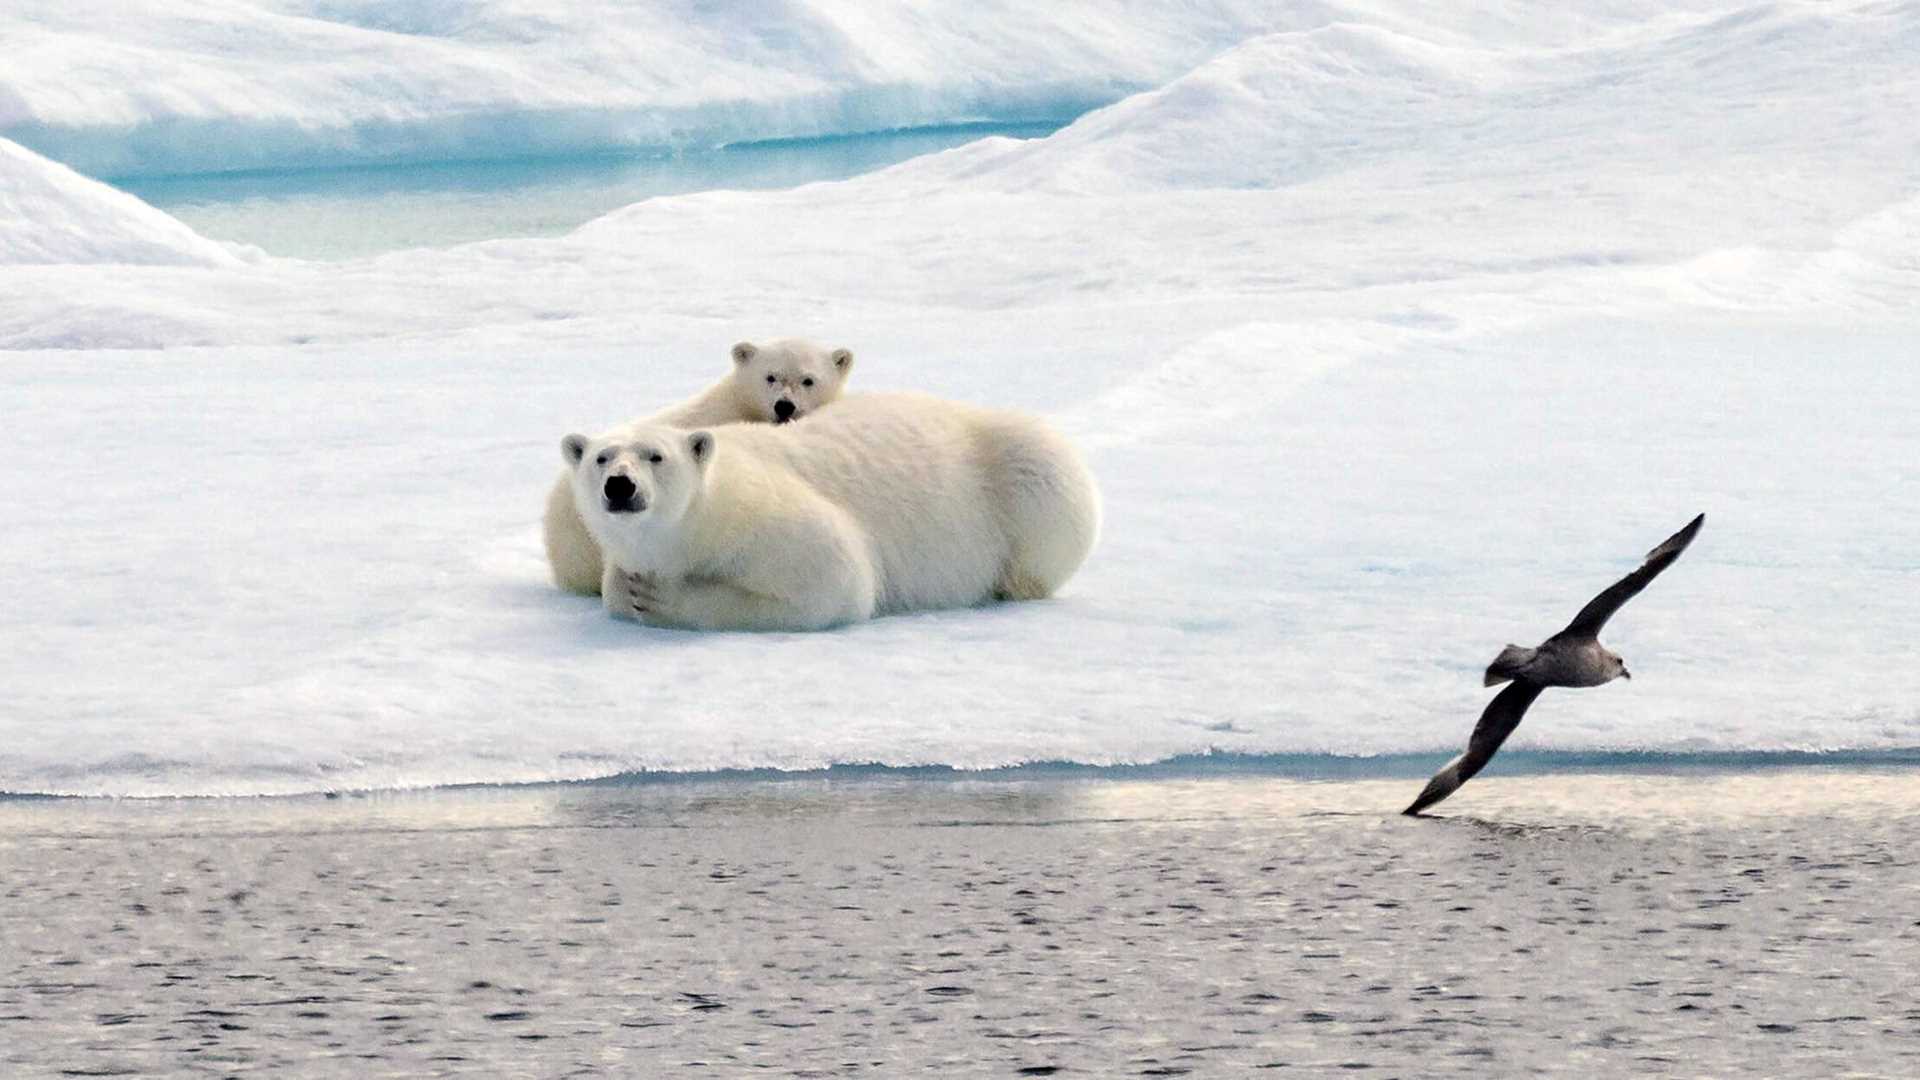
<point>1508,664</point>
<point>1444,783</point>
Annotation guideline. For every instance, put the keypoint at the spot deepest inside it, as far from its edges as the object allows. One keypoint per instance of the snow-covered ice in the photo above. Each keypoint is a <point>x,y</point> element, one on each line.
<point>51,215</point>
<point>1336,302</point>
<point>126,89</point>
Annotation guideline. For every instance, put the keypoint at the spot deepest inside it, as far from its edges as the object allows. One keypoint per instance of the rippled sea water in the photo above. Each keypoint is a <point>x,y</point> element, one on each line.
<point>1599,924</point>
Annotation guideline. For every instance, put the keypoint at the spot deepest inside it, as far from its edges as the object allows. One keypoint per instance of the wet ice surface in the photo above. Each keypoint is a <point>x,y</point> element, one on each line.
<point>1598,924</point>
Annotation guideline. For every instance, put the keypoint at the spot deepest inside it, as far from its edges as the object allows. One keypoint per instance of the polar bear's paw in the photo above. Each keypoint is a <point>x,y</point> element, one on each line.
<point>631,596</point>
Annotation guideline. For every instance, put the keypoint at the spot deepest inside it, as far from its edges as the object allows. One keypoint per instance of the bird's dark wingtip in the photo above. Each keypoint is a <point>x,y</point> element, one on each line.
<point>1678,542</point>
<point>1419,806</point>
<point>1444,783</point>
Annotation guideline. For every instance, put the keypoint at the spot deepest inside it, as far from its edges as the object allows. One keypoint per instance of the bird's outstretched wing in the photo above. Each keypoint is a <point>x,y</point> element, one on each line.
<point>1601,608</point>
<point>1497,722</point>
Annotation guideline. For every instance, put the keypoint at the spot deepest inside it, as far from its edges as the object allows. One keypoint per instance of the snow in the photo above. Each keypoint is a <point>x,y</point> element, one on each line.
<point>116,89</point>
<point>51,214</point>
<point>1393,334</point>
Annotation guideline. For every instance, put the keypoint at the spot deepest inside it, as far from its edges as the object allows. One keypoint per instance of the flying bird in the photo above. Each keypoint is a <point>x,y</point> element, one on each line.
<point>1572,657</point>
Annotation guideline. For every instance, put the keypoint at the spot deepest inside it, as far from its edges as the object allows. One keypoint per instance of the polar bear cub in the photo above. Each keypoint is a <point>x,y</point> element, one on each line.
<point>883,503</point>
<point>774,383</point>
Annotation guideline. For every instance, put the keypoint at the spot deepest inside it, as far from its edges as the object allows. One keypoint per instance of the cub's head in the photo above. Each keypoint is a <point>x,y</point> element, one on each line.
<point>640,476</point>
<point>788,379</point>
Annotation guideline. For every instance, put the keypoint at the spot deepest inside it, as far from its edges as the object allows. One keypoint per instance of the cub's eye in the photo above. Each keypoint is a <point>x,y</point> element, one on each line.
<point>770,380</point>
<point>806,382</point>
<point>601,460</point>
<point>655,458</point>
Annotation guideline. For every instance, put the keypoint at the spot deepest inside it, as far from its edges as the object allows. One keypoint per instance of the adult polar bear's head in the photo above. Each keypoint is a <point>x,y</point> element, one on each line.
<point>788,379</point>
<point>637,478</point>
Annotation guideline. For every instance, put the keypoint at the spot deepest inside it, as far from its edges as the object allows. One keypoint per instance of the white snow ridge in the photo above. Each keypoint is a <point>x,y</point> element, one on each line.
<point>120,89</point>
<point>50,214</point>
<point>1337,297</point>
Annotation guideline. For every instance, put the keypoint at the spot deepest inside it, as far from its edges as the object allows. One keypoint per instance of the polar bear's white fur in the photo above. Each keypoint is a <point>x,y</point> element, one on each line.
<point>773,383</point>
<point>883,503</point>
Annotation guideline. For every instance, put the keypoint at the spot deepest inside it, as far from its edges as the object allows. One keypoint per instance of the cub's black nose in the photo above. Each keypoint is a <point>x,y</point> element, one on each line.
<point>619,492</point>
<point>782,411</point>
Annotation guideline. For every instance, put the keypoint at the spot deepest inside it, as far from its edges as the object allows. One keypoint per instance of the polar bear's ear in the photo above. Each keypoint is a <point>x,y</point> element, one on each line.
<point>573,448</point>
<point>744,352</point>
<point>700,445</point>
<point>843,360</point>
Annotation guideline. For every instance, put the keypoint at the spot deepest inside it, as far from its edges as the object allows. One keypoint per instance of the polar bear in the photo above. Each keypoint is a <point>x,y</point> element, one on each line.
<point>774,383</point>
<point>883,503</point>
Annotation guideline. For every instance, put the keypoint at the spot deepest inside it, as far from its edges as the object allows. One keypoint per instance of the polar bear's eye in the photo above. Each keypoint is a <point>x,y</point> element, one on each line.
<point>655,458</point>
<point>770,380</point>
<point>808,381</point>
<point>601,460</point>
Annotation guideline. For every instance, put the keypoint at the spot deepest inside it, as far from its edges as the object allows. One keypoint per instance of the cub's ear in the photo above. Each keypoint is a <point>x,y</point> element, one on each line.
<point>573,448</point>
<point>843,359</point>
<point>744,352</point>
<point>700,445</point>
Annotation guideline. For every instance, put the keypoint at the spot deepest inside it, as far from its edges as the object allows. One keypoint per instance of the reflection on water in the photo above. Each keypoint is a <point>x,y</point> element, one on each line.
<point>1517,805</point>
<point>342,213</point>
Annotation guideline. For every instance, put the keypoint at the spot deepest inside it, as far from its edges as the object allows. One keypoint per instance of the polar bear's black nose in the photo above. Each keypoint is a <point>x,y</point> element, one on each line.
<point>619,492</point>
<point>782,411</point>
